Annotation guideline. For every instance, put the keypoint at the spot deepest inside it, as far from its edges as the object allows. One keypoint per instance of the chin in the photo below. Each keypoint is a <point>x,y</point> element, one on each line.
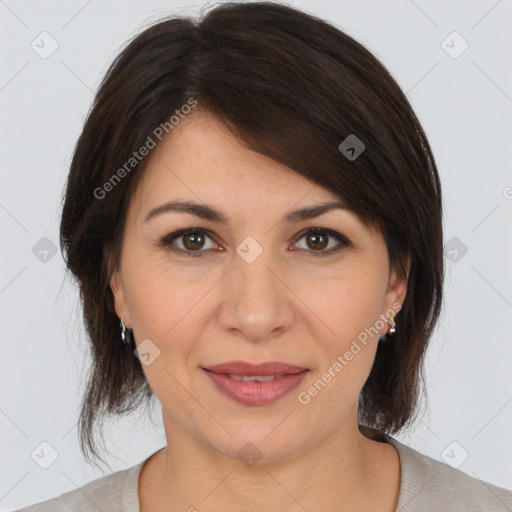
<point>256,441</point>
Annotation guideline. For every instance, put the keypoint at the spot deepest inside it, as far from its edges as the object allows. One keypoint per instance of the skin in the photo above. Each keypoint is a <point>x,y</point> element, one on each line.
<point>285,306</point>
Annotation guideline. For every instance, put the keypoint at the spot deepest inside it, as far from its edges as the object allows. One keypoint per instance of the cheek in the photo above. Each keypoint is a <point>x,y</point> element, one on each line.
<point>347,304</point>
<point>168,312</point>
<point>160,294</point>
<point>165,307</point>
<point>349,308</point>
<point>165,311</point>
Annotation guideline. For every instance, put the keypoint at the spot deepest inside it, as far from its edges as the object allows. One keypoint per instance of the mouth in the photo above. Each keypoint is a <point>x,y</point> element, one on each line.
<point>252,384</point>
<point>250,369</point>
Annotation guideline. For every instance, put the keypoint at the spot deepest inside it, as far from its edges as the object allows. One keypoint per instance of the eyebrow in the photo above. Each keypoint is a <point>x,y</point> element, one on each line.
<point>210,213</point>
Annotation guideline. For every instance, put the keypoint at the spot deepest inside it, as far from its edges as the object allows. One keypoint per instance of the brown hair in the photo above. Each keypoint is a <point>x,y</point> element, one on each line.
<point>291,87</point>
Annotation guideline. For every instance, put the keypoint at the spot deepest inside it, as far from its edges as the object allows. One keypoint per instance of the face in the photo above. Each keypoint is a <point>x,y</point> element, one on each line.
<point>261,286</point>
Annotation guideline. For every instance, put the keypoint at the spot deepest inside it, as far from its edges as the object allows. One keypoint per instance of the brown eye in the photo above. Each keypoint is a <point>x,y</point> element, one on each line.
<point>318,240</point>
<point>189,242</point>
<point>193,241</point>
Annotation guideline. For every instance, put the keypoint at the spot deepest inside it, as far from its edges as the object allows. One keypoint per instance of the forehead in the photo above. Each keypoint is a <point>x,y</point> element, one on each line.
<point>201,160</point>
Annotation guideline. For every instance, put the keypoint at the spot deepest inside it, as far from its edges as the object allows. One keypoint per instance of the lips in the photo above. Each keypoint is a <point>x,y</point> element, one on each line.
<point>259,384</point>
<point>249,369</point>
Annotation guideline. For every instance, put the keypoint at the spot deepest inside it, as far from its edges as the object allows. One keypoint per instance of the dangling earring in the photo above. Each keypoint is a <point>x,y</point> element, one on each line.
<point>392,325</point>
<point>126,334</point>
<point>392,330</point>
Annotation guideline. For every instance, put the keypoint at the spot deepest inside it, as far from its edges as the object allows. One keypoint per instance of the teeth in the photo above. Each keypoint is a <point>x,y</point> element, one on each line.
<point>259,378</point>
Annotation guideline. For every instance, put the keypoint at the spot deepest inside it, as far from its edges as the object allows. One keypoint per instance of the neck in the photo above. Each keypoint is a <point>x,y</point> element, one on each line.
<point>347,471</point>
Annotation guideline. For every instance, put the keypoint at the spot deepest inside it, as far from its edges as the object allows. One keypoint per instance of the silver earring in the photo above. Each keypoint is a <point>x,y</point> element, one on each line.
<point>126,334</point>
<point>392,330</point>
<point>392,325</point>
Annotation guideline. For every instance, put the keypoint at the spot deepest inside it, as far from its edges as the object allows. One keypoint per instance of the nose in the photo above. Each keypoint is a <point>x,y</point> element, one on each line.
<point>256,301</point>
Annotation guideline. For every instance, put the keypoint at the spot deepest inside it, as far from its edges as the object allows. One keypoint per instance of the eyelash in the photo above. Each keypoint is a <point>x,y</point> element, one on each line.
<point>344,242</point>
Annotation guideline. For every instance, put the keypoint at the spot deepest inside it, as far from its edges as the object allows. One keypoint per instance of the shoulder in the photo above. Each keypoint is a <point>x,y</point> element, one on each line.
<point>112,493</point>
<point>427,484</point>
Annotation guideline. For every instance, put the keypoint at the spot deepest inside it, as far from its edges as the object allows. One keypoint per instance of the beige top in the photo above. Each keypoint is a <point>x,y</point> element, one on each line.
<point>425,485</point>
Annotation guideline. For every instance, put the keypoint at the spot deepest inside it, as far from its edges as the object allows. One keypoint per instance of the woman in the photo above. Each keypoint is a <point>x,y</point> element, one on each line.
<point>253,215</point>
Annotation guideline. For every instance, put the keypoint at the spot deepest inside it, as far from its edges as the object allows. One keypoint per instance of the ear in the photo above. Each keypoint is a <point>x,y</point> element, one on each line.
<point>396,291</point>
<point>119,295</point>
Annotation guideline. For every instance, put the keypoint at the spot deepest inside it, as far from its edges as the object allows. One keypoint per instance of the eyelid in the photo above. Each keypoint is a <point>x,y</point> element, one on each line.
<point>167,240</point>
<point>343,241</point>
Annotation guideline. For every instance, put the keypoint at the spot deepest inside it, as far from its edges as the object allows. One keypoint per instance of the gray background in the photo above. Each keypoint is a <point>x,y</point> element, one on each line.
<point>464,103</point>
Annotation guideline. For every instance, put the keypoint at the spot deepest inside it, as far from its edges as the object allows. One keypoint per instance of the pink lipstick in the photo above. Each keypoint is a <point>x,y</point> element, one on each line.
<point>255,384</point>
